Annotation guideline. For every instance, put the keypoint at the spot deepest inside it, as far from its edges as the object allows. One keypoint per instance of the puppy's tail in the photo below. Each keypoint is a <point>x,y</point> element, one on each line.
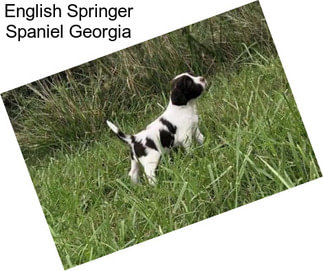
<point>119,133</point>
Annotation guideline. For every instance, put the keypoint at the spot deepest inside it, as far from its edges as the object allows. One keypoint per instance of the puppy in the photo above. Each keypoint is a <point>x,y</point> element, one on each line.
<point>177,126</point>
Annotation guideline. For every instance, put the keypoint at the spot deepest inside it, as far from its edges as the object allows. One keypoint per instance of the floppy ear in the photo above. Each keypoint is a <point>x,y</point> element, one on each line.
<point>177,97</point>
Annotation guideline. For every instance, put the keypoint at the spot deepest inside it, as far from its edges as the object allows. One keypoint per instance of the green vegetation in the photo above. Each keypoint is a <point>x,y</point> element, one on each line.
<point>256,144</point>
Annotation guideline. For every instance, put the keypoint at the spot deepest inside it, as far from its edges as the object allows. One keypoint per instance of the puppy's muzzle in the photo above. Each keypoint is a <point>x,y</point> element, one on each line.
<point>202,79</point>
<point>203,82</point>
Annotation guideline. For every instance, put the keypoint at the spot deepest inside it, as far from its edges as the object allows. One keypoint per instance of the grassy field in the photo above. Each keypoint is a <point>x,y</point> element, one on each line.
<point>255,146</point>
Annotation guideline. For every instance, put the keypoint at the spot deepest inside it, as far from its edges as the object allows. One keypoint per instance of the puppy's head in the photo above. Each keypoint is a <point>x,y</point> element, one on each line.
<point>186,87</point>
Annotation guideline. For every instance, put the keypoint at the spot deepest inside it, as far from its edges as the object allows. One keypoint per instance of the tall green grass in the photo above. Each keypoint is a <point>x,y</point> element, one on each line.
<point>255,146</point>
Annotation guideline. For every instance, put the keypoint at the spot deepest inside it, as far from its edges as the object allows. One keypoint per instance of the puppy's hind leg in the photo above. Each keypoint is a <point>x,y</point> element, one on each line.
<point>134,171</point>
<point>150,164</point>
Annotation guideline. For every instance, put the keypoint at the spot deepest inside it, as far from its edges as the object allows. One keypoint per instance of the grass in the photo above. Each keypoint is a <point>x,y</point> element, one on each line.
<point>255,146</point>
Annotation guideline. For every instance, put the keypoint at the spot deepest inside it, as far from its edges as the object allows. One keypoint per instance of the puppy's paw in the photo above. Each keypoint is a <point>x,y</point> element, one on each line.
<point>200,139</point>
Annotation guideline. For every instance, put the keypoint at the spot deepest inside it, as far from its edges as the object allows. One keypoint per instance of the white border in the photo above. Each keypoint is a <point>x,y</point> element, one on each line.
<point>281,232</point>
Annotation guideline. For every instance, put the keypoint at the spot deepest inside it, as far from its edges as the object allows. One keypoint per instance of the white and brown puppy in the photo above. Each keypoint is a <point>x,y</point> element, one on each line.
<point>177,126</point>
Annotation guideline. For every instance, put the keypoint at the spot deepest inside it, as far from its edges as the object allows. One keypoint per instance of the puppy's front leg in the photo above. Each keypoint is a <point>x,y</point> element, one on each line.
<point>199,136</point>
<point>187,143</point>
